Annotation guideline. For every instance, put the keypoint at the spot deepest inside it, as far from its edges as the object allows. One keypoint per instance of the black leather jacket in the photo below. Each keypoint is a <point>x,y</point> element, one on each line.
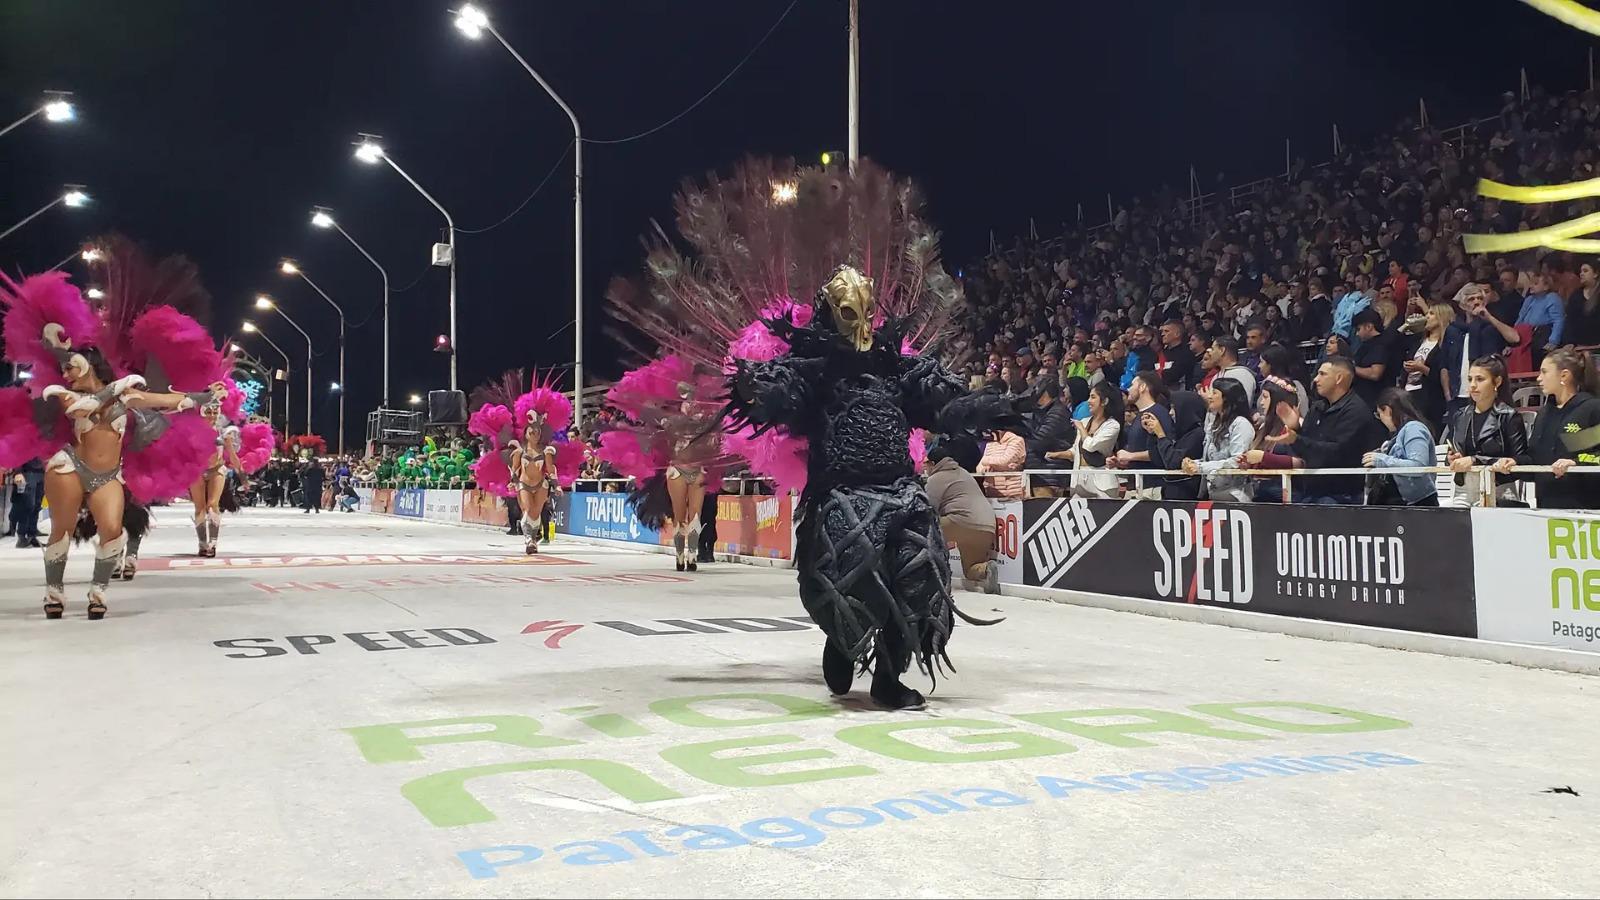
<point>1503,434</point>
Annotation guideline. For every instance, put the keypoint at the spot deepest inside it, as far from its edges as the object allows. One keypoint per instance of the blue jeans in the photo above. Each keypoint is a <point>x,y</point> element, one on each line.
<point>1330,499</point>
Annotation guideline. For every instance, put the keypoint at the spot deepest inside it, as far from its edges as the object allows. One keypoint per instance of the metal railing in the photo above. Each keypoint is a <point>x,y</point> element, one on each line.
<point>1486,485</point>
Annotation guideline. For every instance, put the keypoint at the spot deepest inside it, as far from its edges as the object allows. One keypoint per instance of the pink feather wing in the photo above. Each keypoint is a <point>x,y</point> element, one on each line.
<point>20,439</point>
<point>256,441</point>
<point>569,462</point>
<point>233,402</point>
<point>492,474</point>
<point>490,422</point>
<point>37,301</point>
<point>624,449</point>
<point>166,468</point>
<point>180,345</point>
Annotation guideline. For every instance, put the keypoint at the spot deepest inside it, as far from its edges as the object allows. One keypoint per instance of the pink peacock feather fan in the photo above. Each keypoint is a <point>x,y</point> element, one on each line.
<point>751,248</point>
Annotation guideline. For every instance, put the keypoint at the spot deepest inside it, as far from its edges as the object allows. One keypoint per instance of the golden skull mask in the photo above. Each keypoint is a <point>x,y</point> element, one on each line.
<point>850,300</point>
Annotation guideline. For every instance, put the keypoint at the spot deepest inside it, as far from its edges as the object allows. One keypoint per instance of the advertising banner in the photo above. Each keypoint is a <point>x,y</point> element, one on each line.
<point>605,516</point>
<point>483,508</point>
<point>755,526</point>
<point>442,505</point>
<point>1538,577</point>
<point>1007,542</point>
<point>409,502</point>
<point>364,501</point>
<point>383,501</point>
<point>1390,567</point>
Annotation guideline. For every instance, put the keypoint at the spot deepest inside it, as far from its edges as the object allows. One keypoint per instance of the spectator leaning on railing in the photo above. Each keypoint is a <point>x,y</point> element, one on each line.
<point>1567,431</point>
<point>1227,435</point>
<point>1410,446</point>
<point>1490,432</point>
<point>1052,432</point>
<point>1339,431</point>
<point>1004,452</point>
<point>1096,439</point>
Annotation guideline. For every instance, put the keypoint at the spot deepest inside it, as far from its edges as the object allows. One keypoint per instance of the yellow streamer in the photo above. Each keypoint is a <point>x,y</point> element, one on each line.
<point>1537,237</point>
<point>1544,193</point>
<point>1571,12</point>
<point>1576,245</point>
<point>1563,235</point>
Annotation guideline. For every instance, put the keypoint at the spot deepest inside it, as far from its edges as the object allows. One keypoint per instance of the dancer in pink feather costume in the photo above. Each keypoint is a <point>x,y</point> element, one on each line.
<point>114,403</point>
<point>525,452</point>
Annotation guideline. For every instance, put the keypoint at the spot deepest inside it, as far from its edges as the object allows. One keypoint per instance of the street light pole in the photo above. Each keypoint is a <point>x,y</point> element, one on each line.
<point>472,21</point>
<point>370,151</point>
<point>316,219</point>
<point>288,399</point>
<point>291,269</point>
<point>36,214</point>
<point>265,302</point>
<point>72,196</point>
<point>56,107</point>
<point>855,89</point>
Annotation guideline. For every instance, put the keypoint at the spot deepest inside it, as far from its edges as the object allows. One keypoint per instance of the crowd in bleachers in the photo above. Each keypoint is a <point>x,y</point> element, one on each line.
<point>1326,318</point>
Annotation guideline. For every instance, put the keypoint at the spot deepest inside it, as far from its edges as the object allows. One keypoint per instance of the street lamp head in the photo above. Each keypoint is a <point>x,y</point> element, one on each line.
<point>334,386</point>
<point>784,192</point>
<point>369,150</point>
<point>59,109</point>
<point>236,348</point>
<point>263,302</point>
<point>322,217</point>
<point>250,327</point>
<point>24,375</point>
<point>416,399</point>
<point>471,21</point>
<point>288,267</point>
<point>74,196</point>
<point>94,293</point>
<point>92,254</point>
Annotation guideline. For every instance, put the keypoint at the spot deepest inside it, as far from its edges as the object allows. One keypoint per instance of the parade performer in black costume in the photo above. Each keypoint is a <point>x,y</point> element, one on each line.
<point>874,566</point>
<point>831,389</point>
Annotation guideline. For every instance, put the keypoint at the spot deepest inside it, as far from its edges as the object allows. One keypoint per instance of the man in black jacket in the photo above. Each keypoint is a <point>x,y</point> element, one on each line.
<point>1336,434</point>
<point>1174,361</point>
<point>1052,429</point>
<point>311,475</point>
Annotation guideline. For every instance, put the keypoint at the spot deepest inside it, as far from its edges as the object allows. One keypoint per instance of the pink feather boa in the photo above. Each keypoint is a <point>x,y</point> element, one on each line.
<point>550,403</point>
<point>180,345</point>
<point>166,468</point>
<point>38,301</point>
<point>256,442</point>
<point>20,439</point>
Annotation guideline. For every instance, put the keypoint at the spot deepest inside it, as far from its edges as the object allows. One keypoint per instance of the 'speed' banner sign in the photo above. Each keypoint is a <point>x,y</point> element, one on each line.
<point>1385,566</point>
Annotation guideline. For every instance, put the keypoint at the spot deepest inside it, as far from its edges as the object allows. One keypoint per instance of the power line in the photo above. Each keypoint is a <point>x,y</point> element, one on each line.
<point>542,182</point>
<point>707,95</point>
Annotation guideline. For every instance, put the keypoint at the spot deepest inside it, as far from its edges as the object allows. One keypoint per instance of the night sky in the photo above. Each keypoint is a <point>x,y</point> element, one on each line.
<point>211,128</point>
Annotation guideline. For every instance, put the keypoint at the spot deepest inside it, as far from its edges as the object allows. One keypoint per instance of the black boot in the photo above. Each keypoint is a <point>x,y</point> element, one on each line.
<point>838,670</point>
<point>887,691</point>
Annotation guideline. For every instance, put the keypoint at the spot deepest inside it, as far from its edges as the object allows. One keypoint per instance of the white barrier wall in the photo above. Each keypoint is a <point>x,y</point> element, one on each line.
<point>1538,577</point>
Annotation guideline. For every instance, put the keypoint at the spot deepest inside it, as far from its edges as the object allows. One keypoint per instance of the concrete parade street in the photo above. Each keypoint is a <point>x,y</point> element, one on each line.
<point>357,705</point>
